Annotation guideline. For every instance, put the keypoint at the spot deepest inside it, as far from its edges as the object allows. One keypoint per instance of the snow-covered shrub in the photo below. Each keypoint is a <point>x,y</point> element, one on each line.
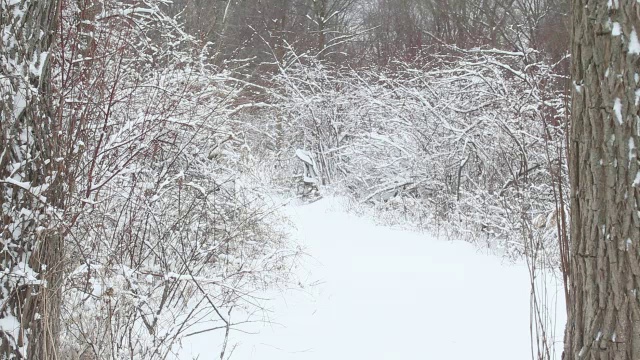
<point>165,233</point>
<point>473,139</point>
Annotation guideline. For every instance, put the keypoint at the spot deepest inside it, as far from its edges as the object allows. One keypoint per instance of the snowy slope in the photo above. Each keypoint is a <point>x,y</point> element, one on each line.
<point>389,294</point>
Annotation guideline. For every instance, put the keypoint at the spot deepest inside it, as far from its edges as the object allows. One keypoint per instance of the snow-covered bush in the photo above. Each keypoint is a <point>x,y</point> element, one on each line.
<point>165,233</point>
<point>473,139</point>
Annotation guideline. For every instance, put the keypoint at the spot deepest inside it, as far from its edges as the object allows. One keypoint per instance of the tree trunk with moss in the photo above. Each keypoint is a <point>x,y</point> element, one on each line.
<point>604,306</point>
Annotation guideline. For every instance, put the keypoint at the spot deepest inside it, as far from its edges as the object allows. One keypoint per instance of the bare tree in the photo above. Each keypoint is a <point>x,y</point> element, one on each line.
<point>604,312</point>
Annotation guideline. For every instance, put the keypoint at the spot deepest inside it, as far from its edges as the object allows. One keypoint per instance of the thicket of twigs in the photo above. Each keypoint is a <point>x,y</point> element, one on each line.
<point>163,232</point>
<point>164,160</point>
<point>470,143</point>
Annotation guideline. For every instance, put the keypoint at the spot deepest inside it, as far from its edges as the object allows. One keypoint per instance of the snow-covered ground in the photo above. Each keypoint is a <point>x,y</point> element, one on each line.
<point>382,293</point>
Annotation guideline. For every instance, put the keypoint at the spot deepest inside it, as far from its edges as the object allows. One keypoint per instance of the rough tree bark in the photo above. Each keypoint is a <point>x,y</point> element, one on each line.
<point>30,188</point>
<point>604,311</point>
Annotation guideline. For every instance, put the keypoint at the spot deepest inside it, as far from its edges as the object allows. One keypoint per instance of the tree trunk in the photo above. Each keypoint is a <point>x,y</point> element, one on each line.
<point>30,191</point>
<point>604,311</point>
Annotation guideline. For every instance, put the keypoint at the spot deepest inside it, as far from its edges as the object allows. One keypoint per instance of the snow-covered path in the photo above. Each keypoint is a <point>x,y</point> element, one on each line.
<point>393,295</point>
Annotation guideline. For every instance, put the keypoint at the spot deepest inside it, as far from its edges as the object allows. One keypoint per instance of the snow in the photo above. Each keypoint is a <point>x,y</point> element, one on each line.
<point>615,29</point>
<point>383,293</point>
<point>634,44</point>
<point>577,87</point>
<point>304,156</point>
<point>309,174</point>
<point>617,109</point>
<point>386,139</point>
<point>37,64</point>
<point>200,279</point>
<point>10,325</point>
<point>35,190</point>
<point>19,103</point>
